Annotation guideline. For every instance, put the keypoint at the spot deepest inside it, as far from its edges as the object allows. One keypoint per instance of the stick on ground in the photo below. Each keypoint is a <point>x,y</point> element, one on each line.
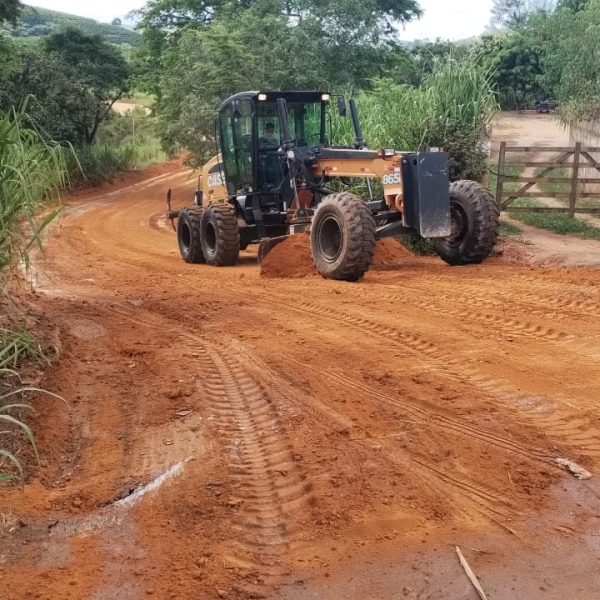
<point>472,577</point>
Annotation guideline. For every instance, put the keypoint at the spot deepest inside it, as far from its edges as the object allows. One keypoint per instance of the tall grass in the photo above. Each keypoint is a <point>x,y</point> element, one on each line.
<point>451,109</point>
<point>31,171</point>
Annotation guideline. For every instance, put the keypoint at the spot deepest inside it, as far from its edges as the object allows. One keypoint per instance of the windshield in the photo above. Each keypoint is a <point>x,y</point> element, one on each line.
<point>306,121</point>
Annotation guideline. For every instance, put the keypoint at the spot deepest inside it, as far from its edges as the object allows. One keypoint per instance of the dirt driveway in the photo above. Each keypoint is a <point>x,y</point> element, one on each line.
<point>228,436</point>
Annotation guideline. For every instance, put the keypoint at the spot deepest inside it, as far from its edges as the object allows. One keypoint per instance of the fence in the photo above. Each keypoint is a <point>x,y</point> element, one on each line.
<point>577,159</point>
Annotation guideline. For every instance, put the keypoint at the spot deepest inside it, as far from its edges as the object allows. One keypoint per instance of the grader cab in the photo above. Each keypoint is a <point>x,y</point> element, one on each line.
<point>276,173</point>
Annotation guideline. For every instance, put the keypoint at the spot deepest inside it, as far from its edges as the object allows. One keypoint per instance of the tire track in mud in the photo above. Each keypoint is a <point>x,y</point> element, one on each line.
<point>536,408</point>
<point>246,418</point>
<point>550,295</point>
<point>490,313</point>
<point>511,326</point>
<point>508,326</point>
<point>270,491</point>
<point>442,421</point>
<point>270,486</point>
<point>485,499</point>
<point>418,412</point>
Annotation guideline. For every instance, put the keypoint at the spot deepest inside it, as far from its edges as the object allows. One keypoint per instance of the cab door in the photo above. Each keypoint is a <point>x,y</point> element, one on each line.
<point>236,123</point>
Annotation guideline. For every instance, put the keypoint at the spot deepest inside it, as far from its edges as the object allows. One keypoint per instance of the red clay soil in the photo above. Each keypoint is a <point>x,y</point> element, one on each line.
<point>230,436</point>
<point>389,252</point>
<point>292,259</point>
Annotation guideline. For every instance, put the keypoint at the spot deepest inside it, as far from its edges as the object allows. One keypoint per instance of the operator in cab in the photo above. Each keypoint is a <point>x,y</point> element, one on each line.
<point>269,141</point>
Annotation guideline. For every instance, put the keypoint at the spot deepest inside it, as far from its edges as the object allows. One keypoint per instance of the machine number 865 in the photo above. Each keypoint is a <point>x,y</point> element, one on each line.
<point>392,178</point>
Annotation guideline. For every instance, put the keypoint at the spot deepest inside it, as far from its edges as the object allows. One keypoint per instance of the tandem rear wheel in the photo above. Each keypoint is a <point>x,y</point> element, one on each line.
<point>209,235</point>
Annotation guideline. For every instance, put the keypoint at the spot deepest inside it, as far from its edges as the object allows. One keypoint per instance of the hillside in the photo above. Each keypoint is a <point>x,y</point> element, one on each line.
<point>36,22</point>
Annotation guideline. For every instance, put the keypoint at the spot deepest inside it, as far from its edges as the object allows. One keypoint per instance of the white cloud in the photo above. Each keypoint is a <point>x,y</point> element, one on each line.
<point>446,19</point>
<point>449,20</point>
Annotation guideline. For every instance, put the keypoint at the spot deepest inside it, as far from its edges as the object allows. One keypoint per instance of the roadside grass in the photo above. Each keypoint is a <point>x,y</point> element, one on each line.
<point>509,230</point>
<point>17,348</point>
<point>512,169</point>
<point>32,171</point>
<point>556,188</point>
<point>417,245</point>
<point>560,223</point>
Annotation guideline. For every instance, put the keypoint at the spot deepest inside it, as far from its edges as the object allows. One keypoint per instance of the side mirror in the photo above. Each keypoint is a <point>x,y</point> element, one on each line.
<point>341,106</point>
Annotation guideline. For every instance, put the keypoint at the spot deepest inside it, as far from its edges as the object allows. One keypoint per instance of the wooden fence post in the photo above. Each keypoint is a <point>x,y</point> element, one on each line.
<point>500,176</point>
<point>575,180</point>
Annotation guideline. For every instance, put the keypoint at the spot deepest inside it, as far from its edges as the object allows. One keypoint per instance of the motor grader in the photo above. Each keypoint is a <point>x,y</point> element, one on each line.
<point>276,173</point>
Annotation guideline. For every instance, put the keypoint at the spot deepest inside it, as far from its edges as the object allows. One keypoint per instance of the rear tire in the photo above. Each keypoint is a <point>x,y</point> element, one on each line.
<point>474,215</point>
<point>220,235</point>
<point>188,235</point>
<point>342,237</point>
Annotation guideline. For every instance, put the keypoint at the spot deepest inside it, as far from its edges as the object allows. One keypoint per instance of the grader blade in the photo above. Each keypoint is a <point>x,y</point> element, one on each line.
<point>267,244</point>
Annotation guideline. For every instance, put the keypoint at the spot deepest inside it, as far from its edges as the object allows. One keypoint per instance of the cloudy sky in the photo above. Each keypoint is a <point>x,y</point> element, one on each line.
<point>446,19</point>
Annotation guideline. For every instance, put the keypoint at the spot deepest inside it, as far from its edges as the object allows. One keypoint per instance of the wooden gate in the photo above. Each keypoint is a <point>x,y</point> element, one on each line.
<point>572,190</point>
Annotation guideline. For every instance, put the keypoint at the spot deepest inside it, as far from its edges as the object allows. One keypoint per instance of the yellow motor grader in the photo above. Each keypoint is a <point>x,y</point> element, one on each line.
<point>276,173</point>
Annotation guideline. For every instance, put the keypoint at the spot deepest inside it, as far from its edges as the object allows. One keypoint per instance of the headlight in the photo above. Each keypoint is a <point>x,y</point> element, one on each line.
<point>262,97</point>
<point>325,97</point>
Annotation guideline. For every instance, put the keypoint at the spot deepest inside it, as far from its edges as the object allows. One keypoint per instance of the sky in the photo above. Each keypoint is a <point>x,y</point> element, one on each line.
<point>446,19</point>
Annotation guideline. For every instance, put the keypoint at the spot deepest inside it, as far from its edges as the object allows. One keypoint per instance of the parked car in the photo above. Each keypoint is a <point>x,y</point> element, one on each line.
<point>545,105</point>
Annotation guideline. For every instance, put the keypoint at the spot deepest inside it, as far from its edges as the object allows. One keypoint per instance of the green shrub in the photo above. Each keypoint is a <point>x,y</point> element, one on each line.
<point>451,109</point>
<point>125,142</point>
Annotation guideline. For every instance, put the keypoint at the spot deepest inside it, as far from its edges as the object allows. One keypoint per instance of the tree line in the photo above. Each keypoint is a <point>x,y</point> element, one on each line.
<point>547,48</point>
<point>194,53</point>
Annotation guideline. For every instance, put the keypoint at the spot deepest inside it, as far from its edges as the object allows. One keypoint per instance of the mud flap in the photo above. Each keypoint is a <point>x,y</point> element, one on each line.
<point>267,244</point>
<point>427,193</point>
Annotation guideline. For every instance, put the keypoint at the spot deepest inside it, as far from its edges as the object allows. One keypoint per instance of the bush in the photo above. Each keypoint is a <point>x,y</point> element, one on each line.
<point>125,142</point>
<point>451,109</point>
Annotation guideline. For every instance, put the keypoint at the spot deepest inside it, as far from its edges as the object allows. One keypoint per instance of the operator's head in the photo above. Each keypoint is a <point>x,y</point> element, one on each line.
<point>270,129</point>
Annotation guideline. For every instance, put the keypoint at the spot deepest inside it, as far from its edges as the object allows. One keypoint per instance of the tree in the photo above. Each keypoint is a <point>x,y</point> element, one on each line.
<point>573,5</point>
<point>9,11</point>
<point>116,22</point>
<point>338,26</point>
<point>341,44</point>
<point>70,83</point>
<point>514,13</point>
<point>98,68</point>
<point>572,63</point>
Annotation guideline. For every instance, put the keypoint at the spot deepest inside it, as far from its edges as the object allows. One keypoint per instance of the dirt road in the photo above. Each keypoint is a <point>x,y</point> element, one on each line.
<point>228,436</point>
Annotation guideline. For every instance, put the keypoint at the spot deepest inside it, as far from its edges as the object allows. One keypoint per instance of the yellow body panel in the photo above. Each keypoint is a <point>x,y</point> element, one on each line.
<point>388,170</point>
<point>212,180</point>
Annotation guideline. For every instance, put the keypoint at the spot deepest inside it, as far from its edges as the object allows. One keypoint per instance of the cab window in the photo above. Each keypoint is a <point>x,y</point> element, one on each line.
<point>236,145</point>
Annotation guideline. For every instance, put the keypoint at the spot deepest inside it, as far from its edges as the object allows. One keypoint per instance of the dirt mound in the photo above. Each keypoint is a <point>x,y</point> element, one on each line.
<point>291,259</point>
<point>388,252</point>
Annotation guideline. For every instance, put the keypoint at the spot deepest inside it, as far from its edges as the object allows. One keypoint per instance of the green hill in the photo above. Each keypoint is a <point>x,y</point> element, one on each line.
<point>36,22</point>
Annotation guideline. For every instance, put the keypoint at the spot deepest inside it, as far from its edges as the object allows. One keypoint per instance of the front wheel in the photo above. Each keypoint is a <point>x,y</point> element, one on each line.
<point>474,215</point>
<point>342,237</point>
